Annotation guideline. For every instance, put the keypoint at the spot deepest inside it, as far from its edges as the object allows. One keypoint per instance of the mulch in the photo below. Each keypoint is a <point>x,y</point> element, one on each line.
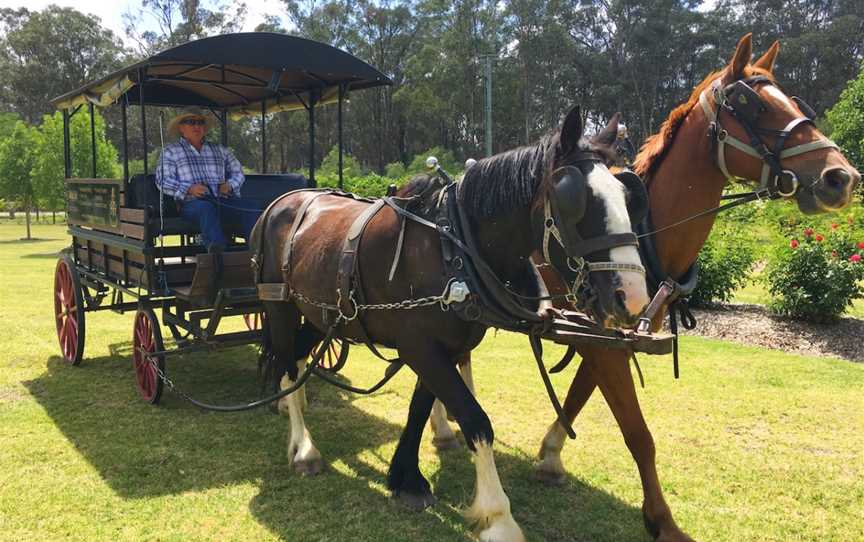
<point>753,325</point>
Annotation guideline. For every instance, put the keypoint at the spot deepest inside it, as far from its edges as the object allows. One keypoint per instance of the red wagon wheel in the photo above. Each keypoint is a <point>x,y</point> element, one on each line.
<point>147,338</point>
<point>69,310</point>
<point>335,356</point>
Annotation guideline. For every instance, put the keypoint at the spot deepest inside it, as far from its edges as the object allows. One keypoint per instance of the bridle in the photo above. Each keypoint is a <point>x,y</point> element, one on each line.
<point>563,208</point>
<point>744,105</point>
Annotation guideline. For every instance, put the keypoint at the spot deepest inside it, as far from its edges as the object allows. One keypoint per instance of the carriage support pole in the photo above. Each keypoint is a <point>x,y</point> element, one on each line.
<point>93,137</point>
<point>339,122</point>
<point>224,131</point>
<point>143,116</point>
<point>67,154</point>
<point>264,136</point>
<point>125,135</point>
<point>313,98</point>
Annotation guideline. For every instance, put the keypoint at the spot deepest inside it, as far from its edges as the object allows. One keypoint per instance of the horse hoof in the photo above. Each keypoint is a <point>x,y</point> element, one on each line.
<point>447,443</point>
<point>549,478</point>
<point>309,467</point>
<point>416,502</point>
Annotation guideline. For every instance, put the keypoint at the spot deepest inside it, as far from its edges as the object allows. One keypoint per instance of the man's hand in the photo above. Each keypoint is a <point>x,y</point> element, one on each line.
<point>224,189</point>
<point>197,191</point>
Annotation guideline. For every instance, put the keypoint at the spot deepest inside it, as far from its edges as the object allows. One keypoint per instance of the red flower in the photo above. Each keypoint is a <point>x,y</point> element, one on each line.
<point>819,238</point>
<point>834,253</point>
<point>833,225</point>
<point>808,232</point>
<point>855,258</point>
<point>794,243</point>
<point>861,245</point>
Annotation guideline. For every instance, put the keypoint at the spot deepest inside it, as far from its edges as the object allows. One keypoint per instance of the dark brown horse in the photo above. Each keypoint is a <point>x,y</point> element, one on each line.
<point>504,198</point>
<point>685,173</point>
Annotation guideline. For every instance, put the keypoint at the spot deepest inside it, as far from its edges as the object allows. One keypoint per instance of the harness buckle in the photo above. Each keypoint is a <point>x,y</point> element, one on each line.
<point>352,301</point>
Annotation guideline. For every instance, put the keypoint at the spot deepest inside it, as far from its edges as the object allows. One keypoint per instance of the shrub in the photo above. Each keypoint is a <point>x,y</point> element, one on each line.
<point>445,159</point>
<point>372,185</point>
<point>395,170</point>
<point>815,275</point>
<point>724,264</point>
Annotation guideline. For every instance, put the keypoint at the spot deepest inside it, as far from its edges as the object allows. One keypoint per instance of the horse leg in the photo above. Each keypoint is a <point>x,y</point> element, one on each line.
<point>490,510</point>
<point>283,321</point>
<point>612,374</point>
<point>550,469</point>
<point>404,478</point>
<point>444,438</point>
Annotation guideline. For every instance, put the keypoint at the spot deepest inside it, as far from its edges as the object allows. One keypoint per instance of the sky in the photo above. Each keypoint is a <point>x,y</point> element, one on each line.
<point>111,11</point>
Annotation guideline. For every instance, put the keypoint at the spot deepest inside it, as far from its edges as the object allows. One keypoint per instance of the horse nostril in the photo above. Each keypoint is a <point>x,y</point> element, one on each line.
<point>837,178</point>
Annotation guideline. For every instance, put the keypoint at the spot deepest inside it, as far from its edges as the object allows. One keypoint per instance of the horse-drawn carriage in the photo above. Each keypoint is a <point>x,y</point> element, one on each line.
<point>131,250</point>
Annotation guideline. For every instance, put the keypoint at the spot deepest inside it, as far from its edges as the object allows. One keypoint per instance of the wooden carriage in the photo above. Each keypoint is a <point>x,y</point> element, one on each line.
<point>130,250</point>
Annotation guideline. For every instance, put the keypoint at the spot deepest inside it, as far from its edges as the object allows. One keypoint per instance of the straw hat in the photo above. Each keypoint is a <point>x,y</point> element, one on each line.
<point>189,113</point>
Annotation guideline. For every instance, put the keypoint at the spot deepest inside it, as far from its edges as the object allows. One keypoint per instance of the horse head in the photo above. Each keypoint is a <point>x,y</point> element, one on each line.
<point>593,211</point>
<point>763,134</point>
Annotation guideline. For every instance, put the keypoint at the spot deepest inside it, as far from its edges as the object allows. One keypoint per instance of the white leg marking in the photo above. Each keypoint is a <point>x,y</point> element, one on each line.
<point>491,507</point>
<point>468,376</point>
<point>550,451</point>
<point>443,436</point>
<point>302,453</point>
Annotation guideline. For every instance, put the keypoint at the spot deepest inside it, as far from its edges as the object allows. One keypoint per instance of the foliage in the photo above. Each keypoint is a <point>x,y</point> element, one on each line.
<point>445,160</point>
<point>816,274</point>
<point>17,158</point>
<point>48,170</point>
<point>179,21</point>
<point>44,54</point>
<point>725,262</point>
<point>329,168</point>
<point>847,121</point>
<point>372,185</point>
<point>395,170</point>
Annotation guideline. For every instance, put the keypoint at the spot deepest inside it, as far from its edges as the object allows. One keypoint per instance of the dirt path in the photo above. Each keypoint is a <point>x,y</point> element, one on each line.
<point>754,325</point>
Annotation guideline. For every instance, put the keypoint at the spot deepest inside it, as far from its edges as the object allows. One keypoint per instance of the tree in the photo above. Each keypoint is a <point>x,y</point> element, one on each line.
<point>179,21</point>
<point>48,172</point>
<point>46,54</point>
<point>17,157</point>
<point>847,121</point>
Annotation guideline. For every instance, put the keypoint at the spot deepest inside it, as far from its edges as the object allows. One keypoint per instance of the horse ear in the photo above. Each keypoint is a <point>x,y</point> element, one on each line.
<point>743,53</point>
<point>571,130</point>
<point>766,61</point>
<point>609,134</point>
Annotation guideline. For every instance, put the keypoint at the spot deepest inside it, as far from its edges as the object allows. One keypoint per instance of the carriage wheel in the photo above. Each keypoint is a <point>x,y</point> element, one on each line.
<point>253,320</point>
<point>335,356</point>
<point>147,337</point>
<point>69,310</point>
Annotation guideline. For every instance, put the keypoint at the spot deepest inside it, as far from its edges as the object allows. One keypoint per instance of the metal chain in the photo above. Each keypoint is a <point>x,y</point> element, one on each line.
<point>405,304</point>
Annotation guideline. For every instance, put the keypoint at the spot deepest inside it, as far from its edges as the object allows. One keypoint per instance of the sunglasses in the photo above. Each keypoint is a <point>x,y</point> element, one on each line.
<point>193,122</point>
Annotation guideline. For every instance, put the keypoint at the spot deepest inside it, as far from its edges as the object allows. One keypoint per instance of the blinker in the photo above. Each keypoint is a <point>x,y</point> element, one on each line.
<point>805,108</point>
<point>568,201</point>
<point>637,195</point>
<point>744,101</point>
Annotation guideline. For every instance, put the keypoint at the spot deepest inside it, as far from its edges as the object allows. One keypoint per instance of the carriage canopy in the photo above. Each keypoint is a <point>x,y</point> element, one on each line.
<point>242,74</point>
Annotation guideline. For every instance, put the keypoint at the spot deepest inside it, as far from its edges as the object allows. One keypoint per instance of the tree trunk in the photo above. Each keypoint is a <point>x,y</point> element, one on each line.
<point>54,217</point>
<point>27,220</point>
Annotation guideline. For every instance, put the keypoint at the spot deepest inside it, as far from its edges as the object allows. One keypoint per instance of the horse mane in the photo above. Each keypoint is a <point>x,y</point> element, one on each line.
<point>497,185</point>
<point>655,147</point>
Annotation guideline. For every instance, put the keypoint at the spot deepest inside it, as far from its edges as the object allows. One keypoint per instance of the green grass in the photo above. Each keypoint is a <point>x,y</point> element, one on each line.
<point>751,444</point>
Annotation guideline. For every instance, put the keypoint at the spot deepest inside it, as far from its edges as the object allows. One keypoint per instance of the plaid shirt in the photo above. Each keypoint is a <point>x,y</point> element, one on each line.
<point>181,165</point>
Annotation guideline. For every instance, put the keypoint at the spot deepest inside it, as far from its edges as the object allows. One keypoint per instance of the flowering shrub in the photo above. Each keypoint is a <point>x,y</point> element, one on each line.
<point>724,264</point>
<point>815,276</point>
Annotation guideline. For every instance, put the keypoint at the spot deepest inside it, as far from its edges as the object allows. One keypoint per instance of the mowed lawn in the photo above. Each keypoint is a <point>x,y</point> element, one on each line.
<point>751,444</point>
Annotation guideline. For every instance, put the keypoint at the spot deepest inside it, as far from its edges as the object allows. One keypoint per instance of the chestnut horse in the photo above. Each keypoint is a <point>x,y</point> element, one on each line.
<point>504,199</point>
<point>685,173</point>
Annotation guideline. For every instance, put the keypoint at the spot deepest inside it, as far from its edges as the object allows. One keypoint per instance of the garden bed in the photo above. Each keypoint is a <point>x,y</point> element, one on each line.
<point>754,325</point>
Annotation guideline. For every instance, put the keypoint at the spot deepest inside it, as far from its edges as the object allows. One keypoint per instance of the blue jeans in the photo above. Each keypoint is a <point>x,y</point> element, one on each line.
<point>212,216</point>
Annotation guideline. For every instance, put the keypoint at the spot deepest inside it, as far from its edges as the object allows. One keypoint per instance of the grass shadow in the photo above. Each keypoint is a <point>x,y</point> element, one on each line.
<point>25,241</point>
<point>143,451</point>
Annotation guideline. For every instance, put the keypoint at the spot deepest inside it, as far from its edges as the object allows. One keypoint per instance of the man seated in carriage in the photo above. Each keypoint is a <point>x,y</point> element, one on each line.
<point>205,179</point>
